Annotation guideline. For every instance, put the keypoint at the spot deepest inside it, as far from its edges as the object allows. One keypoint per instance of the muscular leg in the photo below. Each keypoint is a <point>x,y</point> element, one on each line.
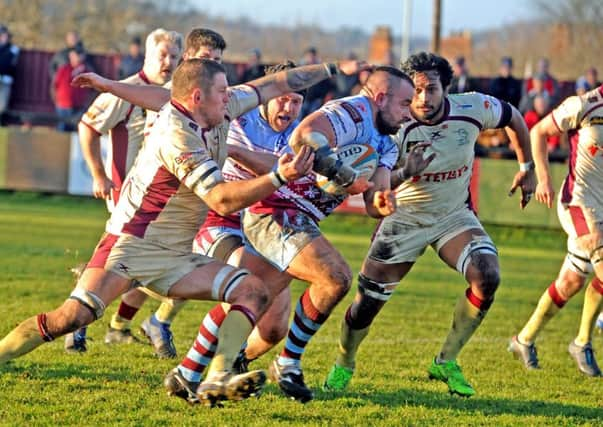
<point>71,315</point>
<point>482,274</point>
<point>272,327</point>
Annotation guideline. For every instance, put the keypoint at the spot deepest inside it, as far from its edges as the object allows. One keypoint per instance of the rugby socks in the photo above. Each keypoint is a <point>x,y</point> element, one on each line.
<point>204,347</point>
<point>27,336</point>
<point>168,310</point>
<point>349,341</point>
<point>593,297</point>
<point>236,327</point>
<point>124,315</point>
<point>306,322</point>
<point>468,315</point>
<point>548,306</point>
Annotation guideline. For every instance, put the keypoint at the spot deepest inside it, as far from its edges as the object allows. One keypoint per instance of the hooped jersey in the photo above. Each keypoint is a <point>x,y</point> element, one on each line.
<point>124,123</point>
<point>352,122</point>
<point>179,163</point>
<point>582,117</point>
<point>253,133</point>
<point>443,187</point>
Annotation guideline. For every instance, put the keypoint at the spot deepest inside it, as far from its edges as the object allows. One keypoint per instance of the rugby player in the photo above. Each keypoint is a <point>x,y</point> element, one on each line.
<point>124,123</point>
<point>580,212</point>
<point>434,210</point>
<point>174,180</point>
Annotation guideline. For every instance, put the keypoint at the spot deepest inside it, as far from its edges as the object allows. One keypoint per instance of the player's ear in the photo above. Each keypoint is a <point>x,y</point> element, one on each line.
<point>197,96</point>
<point>380,99</point>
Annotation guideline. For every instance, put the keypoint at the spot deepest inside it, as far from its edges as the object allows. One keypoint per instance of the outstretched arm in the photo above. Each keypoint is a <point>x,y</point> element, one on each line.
<point>520,140</point>
<point>258,163</point>
<point>149,97</point>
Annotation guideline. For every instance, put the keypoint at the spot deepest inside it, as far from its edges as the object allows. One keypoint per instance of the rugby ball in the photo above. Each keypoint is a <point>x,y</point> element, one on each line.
<point>361,157</point>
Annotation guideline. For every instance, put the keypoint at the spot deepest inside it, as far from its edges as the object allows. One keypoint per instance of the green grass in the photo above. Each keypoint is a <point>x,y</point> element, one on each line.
<point>42,236</point>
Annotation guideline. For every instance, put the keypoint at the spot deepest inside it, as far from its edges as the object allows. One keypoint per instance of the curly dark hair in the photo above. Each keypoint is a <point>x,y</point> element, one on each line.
<point>425,61</point>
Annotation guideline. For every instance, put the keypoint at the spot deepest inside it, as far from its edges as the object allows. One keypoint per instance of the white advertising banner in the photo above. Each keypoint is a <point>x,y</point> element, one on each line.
<point>80,180</point>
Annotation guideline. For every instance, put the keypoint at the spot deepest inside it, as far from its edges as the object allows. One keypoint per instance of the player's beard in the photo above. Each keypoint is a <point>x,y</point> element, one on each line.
<point>384,127</point>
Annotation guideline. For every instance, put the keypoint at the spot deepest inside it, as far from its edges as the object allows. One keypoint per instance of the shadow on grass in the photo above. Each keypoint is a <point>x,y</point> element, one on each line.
<point>63,371</point>
<point>483,406</point>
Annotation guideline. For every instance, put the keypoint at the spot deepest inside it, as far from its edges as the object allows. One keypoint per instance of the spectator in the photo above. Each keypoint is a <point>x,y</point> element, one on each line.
<point>9,55</point>
<point>587,82</point>
<point>132,62</point>
<point>550,83</point>
<point>318,94</point>
<point>254,68</point>
<point>541,107</point>
<point>70,101</point>
<point>362,78</point>
<point>72,41</point>
<point>505,86</point>
<point>343,83</point>
<point>537,88</point>
<point>461,81</point>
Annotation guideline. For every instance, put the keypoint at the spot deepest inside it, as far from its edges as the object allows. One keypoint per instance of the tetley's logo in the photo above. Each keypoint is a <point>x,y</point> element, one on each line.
<point>441,176</point>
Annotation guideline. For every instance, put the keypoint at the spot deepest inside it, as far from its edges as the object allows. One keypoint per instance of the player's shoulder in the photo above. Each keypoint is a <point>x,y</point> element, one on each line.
<point>357,106</point>
<point>175,126</point>
<point>472,104</point>
<point>593,97</point>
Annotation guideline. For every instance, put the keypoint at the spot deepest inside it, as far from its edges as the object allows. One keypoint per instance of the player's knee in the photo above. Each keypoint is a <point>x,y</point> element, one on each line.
<point>569,285</point>
<point>252,292</point>
<point>362,312</point>
<point>489,279</point>
<point>341,279</point>
<point>275,334</point>
<point>68,318</point>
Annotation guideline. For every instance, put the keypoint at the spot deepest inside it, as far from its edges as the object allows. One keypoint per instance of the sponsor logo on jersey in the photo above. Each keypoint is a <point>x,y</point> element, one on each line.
<point>436,135</point>
<point>193,126</point>
<point>592,99</point>
<point>242,121</point>
<point>464,106</point>
<point>595,120</point>
<point>486,104</point>
<point>353,112</point>
<point>441,176</point>
<point>462,136</point>
<point>183,157</point>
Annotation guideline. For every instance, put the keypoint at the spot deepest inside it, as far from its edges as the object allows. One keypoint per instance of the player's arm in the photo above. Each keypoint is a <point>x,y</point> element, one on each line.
<point>90,144</point>
<point>259,163</point>
<point>545,128</point>
<point>316,132</point>
<point>228,197</point>
<point>149,97</point>
<point>296,79</point>
<point>520,140</point>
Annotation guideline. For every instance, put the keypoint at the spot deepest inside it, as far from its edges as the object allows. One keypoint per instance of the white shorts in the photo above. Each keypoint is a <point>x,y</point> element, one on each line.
<point>396,241</point>
<point>218,242</point>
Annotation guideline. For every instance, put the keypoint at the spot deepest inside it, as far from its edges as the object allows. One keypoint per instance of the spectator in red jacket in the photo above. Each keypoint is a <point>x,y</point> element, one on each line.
<point>70,101</point>
<point>540,108</point>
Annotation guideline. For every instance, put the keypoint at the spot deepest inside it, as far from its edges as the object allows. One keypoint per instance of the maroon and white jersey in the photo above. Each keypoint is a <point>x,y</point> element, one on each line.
<point>124,123</point>
<point>179,163</point>
<point>443,187</point>
<point>582,117</point>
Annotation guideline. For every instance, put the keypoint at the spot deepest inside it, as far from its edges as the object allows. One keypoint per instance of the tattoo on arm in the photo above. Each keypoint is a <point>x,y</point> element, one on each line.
<point>298,79</point>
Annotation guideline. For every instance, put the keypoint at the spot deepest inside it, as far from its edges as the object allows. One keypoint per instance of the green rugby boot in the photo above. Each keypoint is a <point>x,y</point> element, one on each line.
<point>450,373</point>
<point>338,379</point>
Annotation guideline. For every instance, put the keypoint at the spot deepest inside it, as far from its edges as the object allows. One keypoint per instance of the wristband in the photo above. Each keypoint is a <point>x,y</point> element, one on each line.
<point>274,179</point>
<point>527,166</point>
<point>280,178</point>
<point>331,68</point>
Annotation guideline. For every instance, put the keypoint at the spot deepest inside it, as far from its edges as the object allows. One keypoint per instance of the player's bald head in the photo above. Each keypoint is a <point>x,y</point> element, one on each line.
<point>194,73</point>
<point>386,78</point>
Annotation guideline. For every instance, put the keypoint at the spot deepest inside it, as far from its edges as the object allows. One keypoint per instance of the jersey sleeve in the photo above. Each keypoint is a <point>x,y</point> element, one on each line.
<point>106,112</point>
<point>494,112</point>
<point>241,99</point>
<point>346,119</point>
<point>388,153</point>
<point>190,162</point>
<point>566,116</point>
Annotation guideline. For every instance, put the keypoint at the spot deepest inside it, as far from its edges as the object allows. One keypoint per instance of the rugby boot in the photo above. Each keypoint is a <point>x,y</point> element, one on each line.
<point>290,380</point>
<point>120,336</point>
<point>338,379</point>
<point>450,373</point>
<point>177,385</point>
<point>226,386</point>
<point>585,358</point>
<point>75,342</point>
<point>241,364</point>
<point>524,352</point>
<point>160,336</point>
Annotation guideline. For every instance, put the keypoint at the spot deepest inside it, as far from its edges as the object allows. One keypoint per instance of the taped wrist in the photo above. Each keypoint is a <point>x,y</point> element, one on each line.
<point>327,164</point>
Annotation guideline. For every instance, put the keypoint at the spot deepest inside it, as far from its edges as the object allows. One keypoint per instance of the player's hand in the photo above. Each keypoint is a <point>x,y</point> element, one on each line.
<point>91,80</point>
<point>384,202</point>
<point>360,185</point>
<point>101,187</point>
<point>415,162</point>
<point>292,167</point>
<point>545,193</point>
<point>351,66</point>
<point>527,182</point>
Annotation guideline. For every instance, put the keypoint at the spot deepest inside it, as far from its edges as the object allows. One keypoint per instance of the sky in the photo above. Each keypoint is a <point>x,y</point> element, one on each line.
<point>457,15</point>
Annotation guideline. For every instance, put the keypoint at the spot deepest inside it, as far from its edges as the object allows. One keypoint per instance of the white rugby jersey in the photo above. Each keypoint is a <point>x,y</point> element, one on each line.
<point>443,186</point>
<point>251,132</point>
<point>582,117</point>
<point>124,123</point>
<point>352,121</point>
<point>179,163</point>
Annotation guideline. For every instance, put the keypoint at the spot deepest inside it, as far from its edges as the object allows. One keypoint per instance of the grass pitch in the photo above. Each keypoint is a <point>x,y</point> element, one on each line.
<point>41,237</point>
